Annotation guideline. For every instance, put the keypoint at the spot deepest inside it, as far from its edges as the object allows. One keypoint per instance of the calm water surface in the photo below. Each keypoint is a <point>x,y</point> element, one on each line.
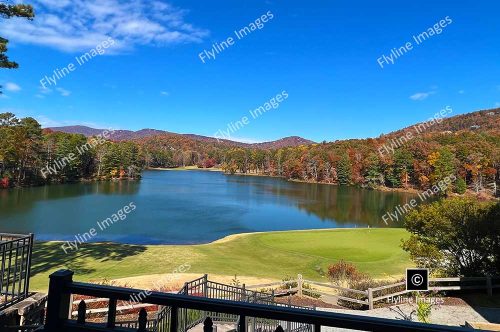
<point>190,207</point>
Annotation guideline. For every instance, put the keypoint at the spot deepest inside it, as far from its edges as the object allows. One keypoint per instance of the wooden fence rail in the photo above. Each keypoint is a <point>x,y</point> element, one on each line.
<point>372,295</point>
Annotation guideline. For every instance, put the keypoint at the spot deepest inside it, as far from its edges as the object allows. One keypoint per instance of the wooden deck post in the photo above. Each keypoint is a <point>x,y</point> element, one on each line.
<point>58,302</point>
<point>370,298</point>
<point>205,285</point>
<point>489,286</point>
<point>300,282</point>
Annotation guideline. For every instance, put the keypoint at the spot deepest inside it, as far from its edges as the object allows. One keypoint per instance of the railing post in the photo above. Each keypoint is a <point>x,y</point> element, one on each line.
<point>317,328</point>
<point>111,313</point>
<point>252,322</point>
<point>59,301</point>
<point>288,323</point>
<point>370,298</point>
<point>243,324</point>
<point>70,311</point>
<point>174,319</point>
<point>208,325</point>
<point>489,286</point>
<point>205,285</point>
<point>244,293</point>
<point>299,284</point>
<point>28,266</point>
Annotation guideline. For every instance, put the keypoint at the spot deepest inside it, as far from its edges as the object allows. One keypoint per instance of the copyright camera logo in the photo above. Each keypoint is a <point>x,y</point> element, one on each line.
<point>417,279</point>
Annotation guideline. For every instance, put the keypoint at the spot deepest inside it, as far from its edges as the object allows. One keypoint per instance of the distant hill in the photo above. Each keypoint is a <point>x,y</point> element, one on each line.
<point>127,135</point>
<point>483,121</point>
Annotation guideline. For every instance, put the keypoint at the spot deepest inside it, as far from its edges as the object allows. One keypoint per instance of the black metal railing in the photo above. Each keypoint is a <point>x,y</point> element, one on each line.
<point>188,318</point>
<point>15,267</point>
<point>62,286</point>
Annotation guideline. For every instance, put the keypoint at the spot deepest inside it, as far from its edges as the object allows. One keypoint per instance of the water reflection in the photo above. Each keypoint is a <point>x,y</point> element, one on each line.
<point>190,207</point>
<point>20,199</point>
<point>342,204</point>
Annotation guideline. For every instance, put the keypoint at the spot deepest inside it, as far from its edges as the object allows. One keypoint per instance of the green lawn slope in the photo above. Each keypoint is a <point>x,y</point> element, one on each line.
<point>274,255</point>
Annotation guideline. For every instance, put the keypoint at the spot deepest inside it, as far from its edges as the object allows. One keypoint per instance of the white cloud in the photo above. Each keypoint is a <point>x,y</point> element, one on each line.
<point>80,25</point>
<point>63,92</point>
<point>421,95</point>
<point>44,90</point>
<point>165,93</point>
<point>240,139</point>
<point>12,87</point>
<point>461,92</point>
<point>48,122</point>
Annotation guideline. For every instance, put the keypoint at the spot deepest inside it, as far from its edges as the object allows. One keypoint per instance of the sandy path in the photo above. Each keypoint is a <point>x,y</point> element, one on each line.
<point>175,281</point>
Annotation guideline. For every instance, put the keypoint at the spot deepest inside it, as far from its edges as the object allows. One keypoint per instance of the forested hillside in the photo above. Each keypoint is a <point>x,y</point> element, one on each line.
<point>32,156</point>
<point>466,147</point>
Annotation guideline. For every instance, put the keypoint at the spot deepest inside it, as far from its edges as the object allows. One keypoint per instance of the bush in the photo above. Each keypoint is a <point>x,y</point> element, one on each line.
<point>288,282</point>
<point>344,274</point>
<point>424,311</point>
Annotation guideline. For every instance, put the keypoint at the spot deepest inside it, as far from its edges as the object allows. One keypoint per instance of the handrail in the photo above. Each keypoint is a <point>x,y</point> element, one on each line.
<point>62,286</point>
<point>15,267</point>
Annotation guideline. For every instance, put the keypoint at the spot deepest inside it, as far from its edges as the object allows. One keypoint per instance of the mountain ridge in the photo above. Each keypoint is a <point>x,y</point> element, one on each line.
<point>126,135</point>
<point>482,120</point>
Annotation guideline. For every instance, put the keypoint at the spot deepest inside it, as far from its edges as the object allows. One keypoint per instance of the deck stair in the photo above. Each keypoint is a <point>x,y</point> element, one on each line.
<point>192,320</point>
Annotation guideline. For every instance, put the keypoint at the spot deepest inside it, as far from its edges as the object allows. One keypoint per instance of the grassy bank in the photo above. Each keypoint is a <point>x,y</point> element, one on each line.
<point>265,255</point>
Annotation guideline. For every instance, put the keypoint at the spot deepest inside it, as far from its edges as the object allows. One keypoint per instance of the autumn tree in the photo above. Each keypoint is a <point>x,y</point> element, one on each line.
<point>455,237</point>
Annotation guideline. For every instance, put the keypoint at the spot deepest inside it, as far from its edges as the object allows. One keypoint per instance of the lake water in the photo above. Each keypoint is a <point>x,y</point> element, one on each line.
<point>190,207</point>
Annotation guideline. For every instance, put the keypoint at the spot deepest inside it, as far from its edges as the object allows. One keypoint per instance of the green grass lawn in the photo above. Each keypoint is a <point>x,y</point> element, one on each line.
<point>267,255</point>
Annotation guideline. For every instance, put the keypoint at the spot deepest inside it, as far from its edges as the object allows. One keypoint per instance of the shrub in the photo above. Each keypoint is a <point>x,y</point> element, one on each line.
<point>235,281</point>
<point>344,274</point>
<point>307,289</point>
<point>424,311</point>
<point>288,282</point>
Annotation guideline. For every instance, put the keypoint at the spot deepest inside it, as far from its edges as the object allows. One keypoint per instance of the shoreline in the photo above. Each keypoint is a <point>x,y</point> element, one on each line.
<point>414,191</point>
<point>194,168</point>
<point>228,238</point>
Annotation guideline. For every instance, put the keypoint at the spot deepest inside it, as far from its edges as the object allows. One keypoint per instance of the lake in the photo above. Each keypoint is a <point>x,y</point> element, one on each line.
<point>186,207</point>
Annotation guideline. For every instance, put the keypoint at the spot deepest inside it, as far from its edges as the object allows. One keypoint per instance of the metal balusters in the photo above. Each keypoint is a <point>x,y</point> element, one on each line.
<point>82,310</point>
<point>111,313</point>
<point>143,320</point>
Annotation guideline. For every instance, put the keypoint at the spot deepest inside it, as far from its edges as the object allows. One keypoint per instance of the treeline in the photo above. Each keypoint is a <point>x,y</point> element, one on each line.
<point>473,157</point>
<point>32,156</point>
<point>470,156</point>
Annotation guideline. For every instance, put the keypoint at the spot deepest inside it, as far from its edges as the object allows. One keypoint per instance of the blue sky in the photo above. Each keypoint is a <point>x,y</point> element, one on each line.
<point>322,53</point>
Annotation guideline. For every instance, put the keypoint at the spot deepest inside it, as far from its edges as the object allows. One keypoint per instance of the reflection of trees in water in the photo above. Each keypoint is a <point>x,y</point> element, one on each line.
<point>14,200</point>
<point>345,204</point>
